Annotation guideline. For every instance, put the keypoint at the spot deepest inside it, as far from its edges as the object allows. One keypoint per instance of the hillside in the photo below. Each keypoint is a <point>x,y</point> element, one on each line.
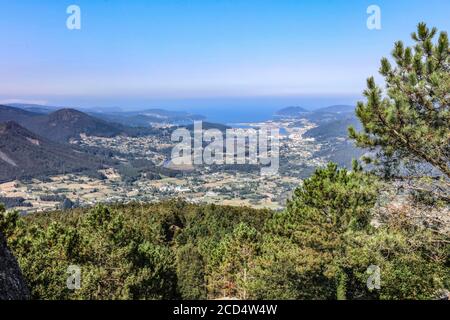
<point>291,112</point>
<point>36,108</point>
<point>64,124</point>
<point>178,250</point>
<point>337,109</point>
<point>321,115</point>
<point>15,114</point>
<point>145,118</point>
<point>24,154</point>
<point>140,118</point>
<point>333,128</point>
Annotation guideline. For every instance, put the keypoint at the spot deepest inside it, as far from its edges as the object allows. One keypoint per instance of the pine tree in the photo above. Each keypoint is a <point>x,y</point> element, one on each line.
<point>8,220</point>
<point>304,248</point>
<point>232,262</point>
<point>411,121</point>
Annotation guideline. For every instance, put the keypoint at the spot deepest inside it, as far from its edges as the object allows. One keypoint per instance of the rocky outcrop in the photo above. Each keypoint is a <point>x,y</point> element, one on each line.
<point>12,284</point>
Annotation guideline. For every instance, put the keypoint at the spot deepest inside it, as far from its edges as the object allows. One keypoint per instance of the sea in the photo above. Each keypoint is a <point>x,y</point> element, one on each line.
<point>257,110</point>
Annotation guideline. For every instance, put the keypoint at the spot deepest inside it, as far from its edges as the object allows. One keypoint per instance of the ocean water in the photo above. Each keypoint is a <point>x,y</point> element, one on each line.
<point>227,115</point>
<point>255,110</point>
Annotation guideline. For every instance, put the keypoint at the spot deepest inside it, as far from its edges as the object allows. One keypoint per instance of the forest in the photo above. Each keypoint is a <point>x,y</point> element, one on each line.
<point>320,247</point>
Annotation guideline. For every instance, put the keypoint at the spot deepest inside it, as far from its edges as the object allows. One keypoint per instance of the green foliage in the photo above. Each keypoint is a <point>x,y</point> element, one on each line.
<point>152,251</point>
<point>413,121</point>
<point>318,248</point>
<point>116,259</point>
<point>231,263</point>
<point>335,197</point>
<point>8,220</point>
<point>321,246</point>
<point>309,236</point>
<point>413,261</point>
<point>191,273</point>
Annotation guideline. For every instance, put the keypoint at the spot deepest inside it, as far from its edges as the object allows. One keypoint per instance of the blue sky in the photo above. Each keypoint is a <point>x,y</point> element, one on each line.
<point>199,53</point>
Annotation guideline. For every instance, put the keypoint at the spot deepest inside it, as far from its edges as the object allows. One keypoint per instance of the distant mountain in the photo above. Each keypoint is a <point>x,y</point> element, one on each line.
<point>336,109</point>
<point>36,108</point>
<point>292,112</point>
<point>8,113</point>
<point>65,124</point>
<point>24,154</point>
<point>139,118</point>
<point>332,133</point>
<point>148,117</point>
<point>333,112</point>
<point>45,109</point>
<point>168,114</point>
<point>333,129</point>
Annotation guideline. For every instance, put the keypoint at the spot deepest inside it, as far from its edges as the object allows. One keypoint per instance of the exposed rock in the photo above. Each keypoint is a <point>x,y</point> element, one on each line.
<point>12,284</point>
<point>443,295</point>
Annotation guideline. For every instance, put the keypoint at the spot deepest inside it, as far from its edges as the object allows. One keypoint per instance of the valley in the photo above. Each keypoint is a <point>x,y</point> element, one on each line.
<point>137,168</point>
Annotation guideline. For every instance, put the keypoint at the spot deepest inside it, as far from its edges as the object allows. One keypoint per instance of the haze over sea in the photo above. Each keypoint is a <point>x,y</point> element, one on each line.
<point>229,60</point>
<point>234,110</point>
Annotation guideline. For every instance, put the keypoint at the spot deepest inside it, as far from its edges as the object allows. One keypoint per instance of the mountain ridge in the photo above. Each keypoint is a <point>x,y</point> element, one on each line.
<point>24,154</point>
<point>292,111</point>
<point>65,124</point>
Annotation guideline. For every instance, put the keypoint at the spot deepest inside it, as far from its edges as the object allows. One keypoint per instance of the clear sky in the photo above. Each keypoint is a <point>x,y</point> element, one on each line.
<point>175,53</point>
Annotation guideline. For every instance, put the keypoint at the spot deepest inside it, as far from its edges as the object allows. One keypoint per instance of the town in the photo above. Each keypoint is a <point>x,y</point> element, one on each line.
<point>235,184</point>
